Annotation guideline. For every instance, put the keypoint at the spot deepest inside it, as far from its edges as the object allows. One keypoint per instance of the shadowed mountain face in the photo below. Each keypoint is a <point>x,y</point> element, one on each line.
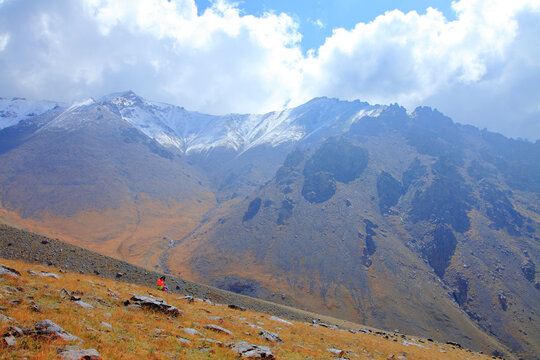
<point>367,213</point>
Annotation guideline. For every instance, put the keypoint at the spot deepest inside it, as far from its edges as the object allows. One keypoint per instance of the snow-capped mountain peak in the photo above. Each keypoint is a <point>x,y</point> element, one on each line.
<point>173,126</point>
<point>188,131</point>
<point>14,110</point>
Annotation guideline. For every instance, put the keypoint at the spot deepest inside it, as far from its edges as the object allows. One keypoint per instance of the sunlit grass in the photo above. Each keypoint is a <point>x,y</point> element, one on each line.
<point>143,334</point>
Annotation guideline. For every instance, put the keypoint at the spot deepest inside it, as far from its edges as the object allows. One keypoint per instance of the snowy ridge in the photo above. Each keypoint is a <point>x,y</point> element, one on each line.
<point>175,127</point>
<point>188,131</point>
<point>72,117</point>
<point>14,110</point>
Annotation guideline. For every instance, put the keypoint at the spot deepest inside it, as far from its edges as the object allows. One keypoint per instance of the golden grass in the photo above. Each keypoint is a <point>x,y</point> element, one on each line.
<point>143,334</point>
<point>133,232</point>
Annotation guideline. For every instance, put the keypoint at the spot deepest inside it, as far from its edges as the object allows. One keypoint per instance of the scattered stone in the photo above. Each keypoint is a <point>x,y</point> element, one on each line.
<point>329,326</point>
<point>191,331</point>
<point>215,318</point>
<point>184,340</point>
<point>9,341</point>
<point>212,341</point>
<point>36,308</point>
<point>5,271</point>
<point>7,319</point>
<point>453,344</point>
<point>249,351</point>
<point>15,301</point>
<point>207,301</point>
<point>189,299</point>
<point>154,304</point>
<point>217,329</point>
<point>83,304</point>
<point>50,329</point>
<point>336,352</point>
<point>75,353</point>
<point>409,343</point>
<point>14,331</point>
<point>275,318</point>
<point>255,326</point>
<point>270,336</point>
<point>113,295</point>
<point>365,331</point>
<point>45,241</point>
<point>106,324</point>
<point>119,275</point>
<point>236,307</point>
<point>10,269</point>
<point>51,275</point>
<point>98,300</point>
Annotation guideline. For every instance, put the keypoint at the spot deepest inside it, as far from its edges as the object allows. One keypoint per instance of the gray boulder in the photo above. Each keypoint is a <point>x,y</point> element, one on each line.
<point>250,351</point>
<point>75,353</point>
<point>270,336</point>
<point>7,271</point>
<point>48,328</point>
<point>154,304</point>
<point>217,329</point>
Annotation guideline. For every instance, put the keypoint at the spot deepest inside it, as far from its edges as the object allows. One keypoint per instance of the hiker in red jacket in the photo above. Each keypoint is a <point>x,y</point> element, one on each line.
<point>161,284</point>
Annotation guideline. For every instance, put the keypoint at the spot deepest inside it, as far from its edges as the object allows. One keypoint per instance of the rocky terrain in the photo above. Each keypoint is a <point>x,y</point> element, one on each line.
<point>405,221</point>
<point>49,313</point>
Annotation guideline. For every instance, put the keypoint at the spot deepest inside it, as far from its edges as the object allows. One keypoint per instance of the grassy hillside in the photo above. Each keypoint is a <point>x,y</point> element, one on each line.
<point>120,332</point>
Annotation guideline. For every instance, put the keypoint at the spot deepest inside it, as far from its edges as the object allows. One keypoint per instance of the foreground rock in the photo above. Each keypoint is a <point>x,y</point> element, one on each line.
<point>154,304</point>
<point>75,353</point>
<point>218,329</point>
<point>49,329</point>
<point>270,336</point>
<point>7,271</point>
<point>250,351</point>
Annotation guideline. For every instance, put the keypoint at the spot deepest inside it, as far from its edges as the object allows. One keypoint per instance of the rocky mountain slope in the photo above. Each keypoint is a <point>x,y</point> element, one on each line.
<point>402,214</point>
<point>123,320</point>
<point>365,212</point>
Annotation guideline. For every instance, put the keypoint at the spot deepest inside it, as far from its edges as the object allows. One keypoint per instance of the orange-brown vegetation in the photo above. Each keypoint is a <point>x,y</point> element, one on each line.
<point>119,332</point>
<point>135,231</point>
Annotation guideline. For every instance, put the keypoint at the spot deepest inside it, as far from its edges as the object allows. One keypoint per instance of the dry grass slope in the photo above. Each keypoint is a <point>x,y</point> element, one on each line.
<point>119,332</point>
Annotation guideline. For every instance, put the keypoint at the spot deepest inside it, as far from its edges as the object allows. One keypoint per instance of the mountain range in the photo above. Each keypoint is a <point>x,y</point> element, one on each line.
<point>395,219</point>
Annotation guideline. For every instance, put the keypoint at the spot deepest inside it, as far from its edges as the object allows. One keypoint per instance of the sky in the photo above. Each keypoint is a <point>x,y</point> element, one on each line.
<point>477,61</point>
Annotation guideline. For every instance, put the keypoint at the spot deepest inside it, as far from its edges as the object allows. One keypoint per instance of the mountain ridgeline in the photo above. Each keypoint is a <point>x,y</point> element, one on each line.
<point>365,212</point>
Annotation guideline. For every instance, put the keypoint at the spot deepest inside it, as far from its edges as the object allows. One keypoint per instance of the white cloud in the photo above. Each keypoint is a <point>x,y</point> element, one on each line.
<point>318,23</point>
<point>482,68</point>
<point>414,59</point>
<point>4,39</point>
<point>217,62</point>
